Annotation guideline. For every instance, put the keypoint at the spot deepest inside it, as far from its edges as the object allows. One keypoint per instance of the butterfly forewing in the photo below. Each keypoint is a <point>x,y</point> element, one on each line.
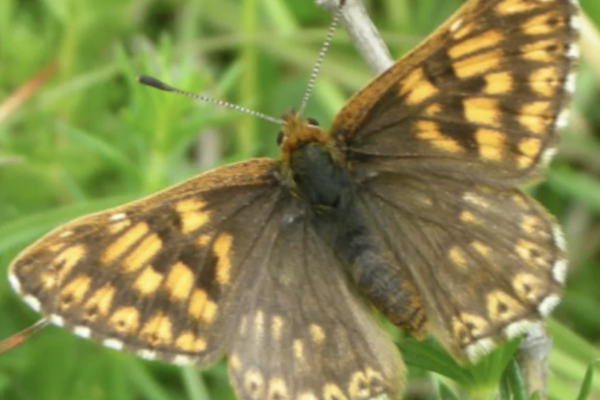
<point>480,99</point>
<point>304,333</point>
<point>158,277</point>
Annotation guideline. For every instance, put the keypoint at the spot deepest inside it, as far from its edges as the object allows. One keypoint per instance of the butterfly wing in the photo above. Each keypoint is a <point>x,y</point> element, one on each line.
<point>489,263</point>
<point>437,145</point>
<point>303,332</point>
<point>157,277</point>
<point>225,263</point>
<point>479,100</point>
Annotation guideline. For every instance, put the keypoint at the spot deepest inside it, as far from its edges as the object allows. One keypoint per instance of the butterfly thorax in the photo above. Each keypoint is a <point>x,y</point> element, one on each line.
<point>311,167</point>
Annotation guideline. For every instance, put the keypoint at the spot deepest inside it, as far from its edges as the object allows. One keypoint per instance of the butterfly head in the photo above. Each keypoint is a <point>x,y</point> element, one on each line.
<point>296,131</point>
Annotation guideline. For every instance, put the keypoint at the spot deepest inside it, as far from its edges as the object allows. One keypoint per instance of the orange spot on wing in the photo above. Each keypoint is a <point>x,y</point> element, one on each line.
<point>481,110</point>
<point>524,162</point>
<point>520,201</point>
<point>298,348</point>
<point>196,303</point>
<point>116,227</point>
<point>73,293</point>
<point>498,83</point>
<point>158,331</point>
<point>478,65</point>
<point>124,243</point>
<point>532,225</point>
<point>101,300</point>
<point>468,217</point>
<point>234,362</point>
<point>191,215</point>
<point>194,220</point>
<point>317,334</point>
<point>189,343</point>
<point>416,87</point>
<point>67,260</point>
<point>530,146</point>
<point>433,109</point>
<point>458,258</point>
<point>545,81</point>
<point>57,247</point>
<point>209,313</point>
<point>531,253</point>
<point>503,307</point>
<point>536,116</point>
<point>482,41</point>
<point>142,253</point>
<point>48,280</point>
<point>201,308</point>
<point>481,248</point>
<point>192,204</point>
<point>469,326</point>
<point>507,7</point>
<point>528,287</point>
<point>463,31</point>
<point>358,387</point>
<point>543,50</point>
<point>542,24</point>
<point>222,250</point>
<point>491,144</point>
<point>125,320</point>
<point>180,282</point>
<point>429,131</point>
<point>203,240</point>
<point>148,281</point>
<point>276,327</point>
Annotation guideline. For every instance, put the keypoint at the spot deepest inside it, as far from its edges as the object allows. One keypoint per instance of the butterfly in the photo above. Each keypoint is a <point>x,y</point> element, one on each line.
<point>409,204</point>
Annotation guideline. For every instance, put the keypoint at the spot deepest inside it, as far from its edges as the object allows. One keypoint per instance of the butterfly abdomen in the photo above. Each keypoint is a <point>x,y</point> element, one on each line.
<point>376,274</point>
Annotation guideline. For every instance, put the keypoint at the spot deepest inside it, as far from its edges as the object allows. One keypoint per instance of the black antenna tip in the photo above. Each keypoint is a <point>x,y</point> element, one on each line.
<point>155,83</point>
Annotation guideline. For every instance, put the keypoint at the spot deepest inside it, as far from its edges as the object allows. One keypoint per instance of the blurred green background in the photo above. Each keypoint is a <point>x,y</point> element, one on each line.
<point>78,134</point>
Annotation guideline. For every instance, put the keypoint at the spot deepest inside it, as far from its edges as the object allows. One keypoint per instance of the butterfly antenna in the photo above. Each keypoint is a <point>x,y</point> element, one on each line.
<point>16,339</point>
<point>321,57</point>
<point>155,83</point>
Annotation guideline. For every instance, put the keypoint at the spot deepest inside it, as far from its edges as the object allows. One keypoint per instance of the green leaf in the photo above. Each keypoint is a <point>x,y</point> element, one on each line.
<point>513,381</point>
<point>445,392</point>
<point>586,384</point>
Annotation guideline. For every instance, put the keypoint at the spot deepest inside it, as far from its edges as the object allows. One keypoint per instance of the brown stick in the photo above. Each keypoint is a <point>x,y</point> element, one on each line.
<point>15,340</point>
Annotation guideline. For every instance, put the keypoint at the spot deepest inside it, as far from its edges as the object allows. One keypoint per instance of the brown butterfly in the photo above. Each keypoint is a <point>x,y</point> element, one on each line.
<point>408,203</point>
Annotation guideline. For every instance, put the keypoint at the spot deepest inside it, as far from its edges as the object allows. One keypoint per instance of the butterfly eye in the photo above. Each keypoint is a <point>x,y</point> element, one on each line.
<point>313,122</point>
<point>279,138</point>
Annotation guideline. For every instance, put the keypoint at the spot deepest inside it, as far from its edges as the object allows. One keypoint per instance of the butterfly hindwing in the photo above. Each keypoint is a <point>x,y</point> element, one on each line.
<point>157,277</point>
<point>480,99</point>
<point>303,331</point>
<point>489,263</point>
